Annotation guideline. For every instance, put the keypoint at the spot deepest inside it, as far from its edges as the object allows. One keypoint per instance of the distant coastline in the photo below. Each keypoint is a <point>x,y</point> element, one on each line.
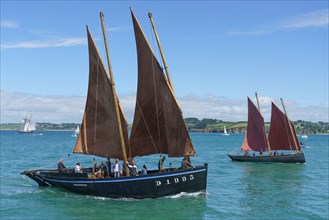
<point>193,124</point>
<point>217,126</point>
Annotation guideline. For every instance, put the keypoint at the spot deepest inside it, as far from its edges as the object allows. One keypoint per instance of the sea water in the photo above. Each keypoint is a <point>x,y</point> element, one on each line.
<point>235,190</point>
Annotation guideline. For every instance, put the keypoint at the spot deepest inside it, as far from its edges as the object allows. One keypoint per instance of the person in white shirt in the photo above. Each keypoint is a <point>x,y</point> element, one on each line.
<point>116,168</point>
<point>133,169</point>
<point>77,168</point>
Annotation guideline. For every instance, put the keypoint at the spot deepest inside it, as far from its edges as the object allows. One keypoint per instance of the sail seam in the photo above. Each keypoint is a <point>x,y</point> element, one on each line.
<point>287,131</point>
<point>156,101</point>
<point>95,122</point>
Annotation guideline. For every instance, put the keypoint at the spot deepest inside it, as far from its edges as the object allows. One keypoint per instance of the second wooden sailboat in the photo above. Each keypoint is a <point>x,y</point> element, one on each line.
<point>281,145</point>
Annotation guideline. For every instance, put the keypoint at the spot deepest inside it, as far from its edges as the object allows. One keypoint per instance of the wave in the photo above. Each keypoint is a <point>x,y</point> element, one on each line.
<point>185,194</point>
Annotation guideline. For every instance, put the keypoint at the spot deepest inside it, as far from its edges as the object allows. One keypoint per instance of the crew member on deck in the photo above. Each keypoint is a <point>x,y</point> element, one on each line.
<point>185,163</point>
<point>108,167</point>
<point>133,168</point>
<point>144,170</point>
<point>261,152</point>
<point>77,168</point>
<point>61,167</point>
<point>160,163</point>
<point>116,168</point>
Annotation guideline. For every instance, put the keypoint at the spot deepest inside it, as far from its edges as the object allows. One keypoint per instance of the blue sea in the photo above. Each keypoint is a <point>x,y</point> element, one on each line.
<point>235,190</point>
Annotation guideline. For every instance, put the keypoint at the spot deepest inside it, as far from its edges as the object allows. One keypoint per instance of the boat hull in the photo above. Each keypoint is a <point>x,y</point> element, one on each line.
<point>288,158</point>
<point>138,187</point>
<point>25,132</point>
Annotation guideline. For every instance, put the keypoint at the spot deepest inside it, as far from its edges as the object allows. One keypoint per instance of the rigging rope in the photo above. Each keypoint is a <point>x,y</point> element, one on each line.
<point>148,129</point>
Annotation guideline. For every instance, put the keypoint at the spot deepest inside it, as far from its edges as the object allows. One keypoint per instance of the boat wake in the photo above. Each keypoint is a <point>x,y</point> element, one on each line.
<point>40,134</point>
<point>184,194</point>
<point>180,195</point>
<point>116,199</point>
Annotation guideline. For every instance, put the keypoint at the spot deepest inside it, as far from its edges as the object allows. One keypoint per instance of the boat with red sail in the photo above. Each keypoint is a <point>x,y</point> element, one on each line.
<point>158,128</point>
<point>281,145</point>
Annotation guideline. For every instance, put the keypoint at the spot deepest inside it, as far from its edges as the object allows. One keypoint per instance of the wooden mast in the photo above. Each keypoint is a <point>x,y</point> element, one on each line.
<point>164,62</point>
<point>161,52</point>
<point>290,128</point>
<point>260,111</point>
<point>124,153</point>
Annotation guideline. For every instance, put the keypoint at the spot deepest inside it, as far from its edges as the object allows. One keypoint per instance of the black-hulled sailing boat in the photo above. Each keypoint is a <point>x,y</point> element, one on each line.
<point>158,127</point>
<point>282,137</point>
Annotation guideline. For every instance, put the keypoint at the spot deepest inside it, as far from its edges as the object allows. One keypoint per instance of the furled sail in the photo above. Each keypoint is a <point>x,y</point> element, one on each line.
<point>158,125</point>
<point>280,135</point>
<point>99,133</point>
<point>255,138</point>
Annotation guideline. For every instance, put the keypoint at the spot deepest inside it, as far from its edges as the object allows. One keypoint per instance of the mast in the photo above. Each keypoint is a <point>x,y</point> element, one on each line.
<point>290,128</point>
<point>260,111</point>
<point>124,153</point>
<point>164,60</point>
<point>161,52</point>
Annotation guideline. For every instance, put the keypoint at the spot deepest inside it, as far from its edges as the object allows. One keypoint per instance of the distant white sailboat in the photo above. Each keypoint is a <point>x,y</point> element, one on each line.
<point>76,132</point>
<point>225,132</point>
<point>304,136</point>
<point>28,126</point>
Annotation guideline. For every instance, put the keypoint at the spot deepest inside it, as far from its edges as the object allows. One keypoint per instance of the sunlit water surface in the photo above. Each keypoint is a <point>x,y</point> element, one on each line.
<point>235,190</point>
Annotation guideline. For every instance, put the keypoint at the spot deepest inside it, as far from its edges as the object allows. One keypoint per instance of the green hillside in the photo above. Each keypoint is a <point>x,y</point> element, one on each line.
<point>193,124</point>
<point>214,125</point>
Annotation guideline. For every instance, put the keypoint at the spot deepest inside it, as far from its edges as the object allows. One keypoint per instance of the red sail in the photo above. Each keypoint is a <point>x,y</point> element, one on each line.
<point>255,138</point>
<point>280,135</point>
<point>99,134</point>
<point>158,125</point>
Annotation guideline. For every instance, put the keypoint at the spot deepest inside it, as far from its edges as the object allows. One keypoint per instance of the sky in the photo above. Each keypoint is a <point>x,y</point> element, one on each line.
<point>218,53</point>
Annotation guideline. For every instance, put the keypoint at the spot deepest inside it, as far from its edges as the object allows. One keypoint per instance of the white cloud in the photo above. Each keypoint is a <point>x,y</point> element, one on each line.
<point>213,107</point>
<point>58,42</point>
<point>313,19</point>
<point>119,28</point>
<point>319,18</point>
<point>61,42</point>
<point>58,109</point>
<point>247,33</point>
<point>9,24</point>
<point>55,109</point>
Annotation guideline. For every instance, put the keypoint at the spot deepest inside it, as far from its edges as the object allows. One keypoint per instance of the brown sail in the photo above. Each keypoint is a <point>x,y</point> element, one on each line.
<point>255,138</point>
<point>158,125</point>
<point>99,134</point>
<point>280,135</point>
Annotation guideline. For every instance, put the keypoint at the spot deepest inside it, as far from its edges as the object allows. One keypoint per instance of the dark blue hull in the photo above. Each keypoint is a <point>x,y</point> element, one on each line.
<point>289,158</point>
<point>152,185</point>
